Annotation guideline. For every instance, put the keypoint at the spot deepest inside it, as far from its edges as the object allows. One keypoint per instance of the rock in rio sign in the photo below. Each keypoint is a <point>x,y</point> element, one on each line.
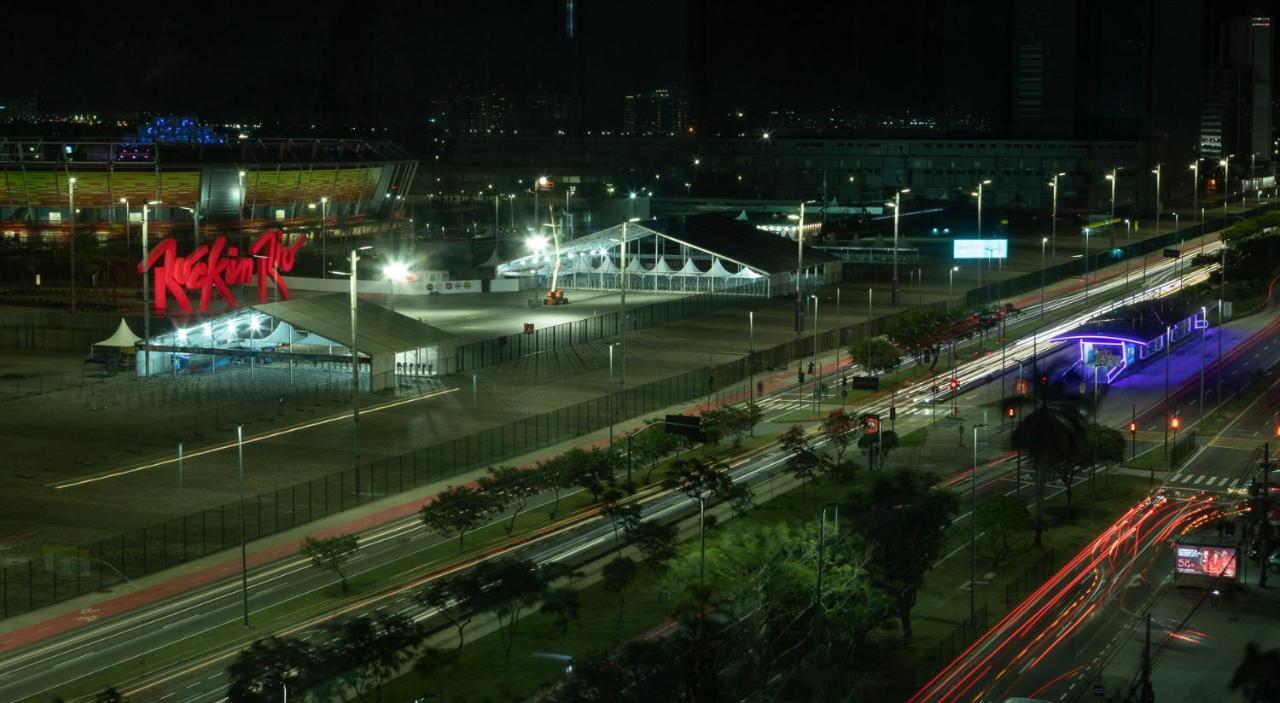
<point>217,267</point>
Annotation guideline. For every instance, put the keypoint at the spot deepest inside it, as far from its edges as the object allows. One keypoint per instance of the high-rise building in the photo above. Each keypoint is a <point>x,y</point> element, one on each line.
<point>1237,115</point>
<point>660,112</point>
<point>1043,89</point>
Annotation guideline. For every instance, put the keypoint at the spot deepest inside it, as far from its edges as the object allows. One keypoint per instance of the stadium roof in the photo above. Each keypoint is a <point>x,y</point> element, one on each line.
<point>63,153</point>
<point>381,331</point>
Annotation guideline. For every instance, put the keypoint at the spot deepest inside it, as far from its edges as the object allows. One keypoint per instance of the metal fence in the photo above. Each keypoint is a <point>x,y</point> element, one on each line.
<point>140,552</point>
<point>488,352</point>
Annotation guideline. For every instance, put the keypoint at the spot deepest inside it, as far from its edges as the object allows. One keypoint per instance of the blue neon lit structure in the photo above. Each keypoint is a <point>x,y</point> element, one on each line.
<point>1115,351</point>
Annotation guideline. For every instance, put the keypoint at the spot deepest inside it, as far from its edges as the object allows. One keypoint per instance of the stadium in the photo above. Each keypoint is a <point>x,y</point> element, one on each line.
<point>202,185</point>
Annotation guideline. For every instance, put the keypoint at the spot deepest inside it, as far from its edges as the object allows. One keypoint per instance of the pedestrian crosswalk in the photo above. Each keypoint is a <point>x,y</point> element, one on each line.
<point>1206,481</point>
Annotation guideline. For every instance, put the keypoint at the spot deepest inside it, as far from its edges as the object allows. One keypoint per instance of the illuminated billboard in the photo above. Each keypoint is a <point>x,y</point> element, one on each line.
<point>980,249</point>
<point>1200,560</point>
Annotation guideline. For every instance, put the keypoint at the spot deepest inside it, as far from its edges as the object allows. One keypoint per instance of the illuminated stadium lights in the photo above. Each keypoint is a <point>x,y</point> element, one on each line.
<point>396,271</point>
<point>537,243</point>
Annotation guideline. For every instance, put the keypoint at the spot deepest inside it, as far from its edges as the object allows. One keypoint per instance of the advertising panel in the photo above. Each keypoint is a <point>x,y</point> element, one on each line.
<point>980,249</point>
<point>1201,560</point>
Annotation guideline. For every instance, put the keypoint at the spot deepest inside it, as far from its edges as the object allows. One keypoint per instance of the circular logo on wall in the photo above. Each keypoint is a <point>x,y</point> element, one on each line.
<point>467,284</point>
<point>448,285</point>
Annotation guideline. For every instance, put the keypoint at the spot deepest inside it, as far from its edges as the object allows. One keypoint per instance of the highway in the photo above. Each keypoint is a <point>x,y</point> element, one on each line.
<point>1057,641</point>
<point>39,671</point>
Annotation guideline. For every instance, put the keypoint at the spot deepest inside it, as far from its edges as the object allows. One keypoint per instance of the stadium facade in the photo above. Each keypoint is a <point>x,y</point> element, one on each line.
<point>232,187</point>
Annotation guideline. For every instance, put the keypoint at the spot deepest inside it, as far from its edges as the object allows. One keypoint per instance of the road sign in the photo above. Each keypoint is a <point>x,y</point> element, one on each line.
<point>685,425</point>
<point>871,424</point>
<point>1172,253</point>
<point>1098,690</point>
<point>865,383</point>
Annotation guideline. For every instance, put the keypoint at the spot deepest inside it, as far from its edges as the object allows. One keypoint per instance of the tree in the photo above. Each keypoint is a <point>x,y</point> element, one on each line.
<point>262,670</point>
<point>432,661</point>
<point>456,598</point>
<point>590,469</point>
<point>1004,526</point>
<point>553,475</point>
<point>1258,675</point>
<point>458,510</point>
<point>877,446</point>
<point>509,587</point>
<point>109,695</point>
<point>331,553</point>
<point>902,519</point>
<point>370,650</point>
<point>838,428</point>
<point>656,542</point>
<point>512,488</point>
<point>623,516</point>
<point>876,355</point>
<point>697,478</point>
<point>561,603</point>
<point>618,574</point>
<point>1050,436</point>
<point>741,497</point>
<point>803,462</point>
<point>650,445</point>
<point>1103,445</point>
<point>732,420</point>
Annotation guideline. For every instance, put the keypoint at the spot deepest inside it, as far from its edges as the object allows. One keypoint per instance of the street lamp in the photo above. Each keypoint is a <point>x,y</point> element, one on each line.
<point>1156,171</point>
<point>1225,163</point>
<point>1053,233</point>
<point>1043,241</point>
<point>951,280</point>
<point>146,295</point>
<point>1113,177</point>
<point>799,266</point>
<point>241,176</point>
<point>125,202</point>
<point>986,182</point>
<point>973,531</point>
<point>195,222</point>
<point>71,202</point>
<point>1087,232</point>
<point>816,384</point>
<point>1195,185</point>
<point>355,367</point>
<point>395,272</point>
<point>897,212</point>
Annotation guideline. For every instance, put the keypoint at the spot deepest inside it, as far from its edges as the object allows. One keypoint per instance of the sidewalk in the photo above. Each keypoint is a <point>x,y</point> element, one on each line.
<point>1197,664</point>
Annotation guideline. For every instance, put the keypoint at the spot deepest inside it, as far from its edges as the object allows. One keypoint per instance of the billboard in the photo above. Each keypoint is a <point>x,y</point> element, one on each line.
<point>1201,560</point>
<point>980,249</point>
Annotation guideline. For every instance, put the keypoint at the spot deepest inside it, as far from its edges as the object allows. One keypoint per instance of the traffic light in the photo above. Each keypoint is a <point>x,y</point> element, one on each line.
<point>1278,431</point>
<point>1175,423</point>
<point>1044,380</point>
<point>1133,427</point>
<point>1012,412</point>
<point>955,383</point>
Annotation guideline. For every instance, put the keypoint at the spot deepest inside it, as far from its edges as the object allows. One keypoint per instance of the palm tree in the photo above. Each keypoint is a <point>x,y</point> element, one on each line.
<point>1050,435</point>
<point>1258,676</point>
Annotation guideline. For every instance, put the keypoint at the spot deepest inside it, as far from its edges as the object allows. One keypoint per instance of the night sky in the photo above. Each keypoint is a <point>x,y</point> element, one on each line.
<point>388,58</point>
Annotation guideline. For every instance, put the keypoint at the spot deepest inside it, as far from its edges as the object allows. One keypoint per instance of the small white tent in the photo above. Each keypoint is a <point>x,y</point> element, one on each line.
<point>123,338</point>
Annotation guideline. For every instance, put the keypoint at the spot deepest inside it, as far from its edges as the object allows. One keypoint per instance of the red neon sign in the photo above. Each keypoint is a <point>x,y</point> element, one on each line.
<point>217,267</point>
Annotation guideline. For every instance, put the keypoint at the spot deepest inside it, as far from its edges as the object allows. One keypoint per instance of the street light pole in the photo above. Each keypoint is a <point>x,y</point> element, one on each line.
<point>1043,240</point>
<point>1111,226</point>
<point>951,284</point>
<point>1226,181</point>
<point>985,182</point>
<point>1195,186</point>
<point>973,531</point>
<point>244,558</point>
<point>71,197</point>
<point>146,294</point>
<point>1053,232</point>
<point>1156,171</point>
<point>897,212</point>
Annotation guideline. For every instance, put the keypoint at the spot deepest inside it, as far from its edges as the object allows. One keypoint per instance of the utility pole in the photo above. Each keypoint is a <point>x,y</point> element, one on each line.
<point>1148,694</point>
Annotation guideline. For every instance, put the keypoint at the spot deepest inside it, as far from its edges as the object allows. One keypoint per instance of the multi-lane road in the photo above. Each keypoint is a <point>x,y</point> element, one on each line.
<point>156,633</point>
